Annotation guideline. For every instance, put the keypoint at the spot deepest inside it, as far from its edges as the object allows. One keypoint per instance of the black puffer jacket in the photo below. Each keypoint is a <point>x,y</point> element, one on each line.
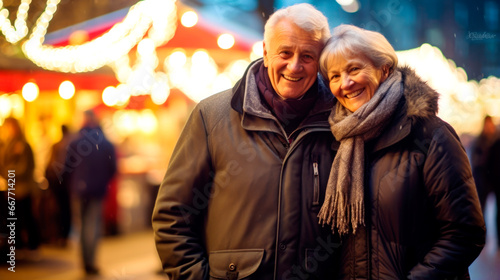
<point>239,201</point>
<point>423,217</point>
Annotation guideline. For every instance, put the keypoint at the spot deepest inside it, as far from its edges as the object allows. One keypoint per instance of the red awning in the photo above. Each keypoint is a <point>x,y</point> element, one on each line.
<point>11,81</point>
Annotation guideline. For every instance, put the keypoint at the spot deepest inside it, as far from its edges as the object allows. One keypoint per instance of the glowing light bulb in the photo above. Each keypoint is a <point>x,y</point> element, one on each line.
<point>225,41</point>
<point>177,59</point>
<point>30,91</point>
<point>66,90</point>
<point>189,19</point>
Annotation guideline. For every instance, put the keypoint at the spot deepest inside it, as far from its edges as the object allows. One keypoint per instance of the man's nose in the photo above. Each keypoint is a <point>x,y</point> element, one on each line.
<point>295,65</point>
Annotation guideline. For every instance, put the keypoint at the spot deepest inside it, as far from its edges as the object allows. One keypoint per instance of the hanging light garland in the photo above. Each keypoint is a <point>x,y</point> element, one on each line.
<point>154,19</point>
<point>14,34</point>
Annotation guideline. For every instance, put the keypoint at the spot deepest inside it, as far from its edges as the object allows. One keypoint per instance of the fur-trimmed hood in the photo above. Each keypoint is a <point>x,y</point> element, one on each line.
<point>421,99</point>
<point>420,104</point>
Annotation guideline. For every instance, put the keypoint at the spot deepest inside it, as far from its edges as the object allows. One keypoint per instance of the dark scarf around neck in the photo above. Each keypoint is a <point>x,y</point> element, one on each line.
<point>290,112</point>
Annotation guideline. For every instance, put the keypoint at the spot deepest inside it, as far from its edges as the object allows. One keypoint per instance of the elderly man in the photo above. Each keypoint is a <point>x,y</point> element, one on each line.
<point>247,178</point>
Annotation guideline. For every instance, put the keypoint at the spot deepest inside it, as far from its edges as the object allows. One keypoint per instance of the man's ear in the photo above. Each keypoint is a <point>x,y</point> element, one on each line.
<point>265,54</point>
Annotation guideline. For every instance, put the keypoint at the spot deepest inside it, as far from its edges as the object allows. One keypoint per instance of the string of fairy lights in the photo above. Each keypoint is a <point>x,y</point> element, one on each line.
<point>14,34</point>
<point>159,15</point>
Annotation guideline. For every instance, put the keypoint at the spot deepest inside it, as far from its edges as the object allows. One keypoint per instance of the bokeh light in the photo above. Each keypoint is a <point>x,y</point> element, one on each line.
<point>30,91</point>
<point>66,90</point>
<point>189,19</point>
<point>225,41</point>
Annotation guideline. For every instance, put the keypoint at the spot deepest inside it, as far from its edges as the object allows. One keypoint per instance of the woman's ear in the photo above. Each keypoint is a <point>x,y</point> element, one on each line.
<point>386,70</point>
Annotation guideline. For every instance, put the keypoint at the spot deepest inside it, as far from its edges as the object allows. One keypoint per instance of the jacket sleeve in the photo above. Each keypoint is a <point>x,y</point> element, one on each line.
<point>452,193</point>
<point>181,204</point>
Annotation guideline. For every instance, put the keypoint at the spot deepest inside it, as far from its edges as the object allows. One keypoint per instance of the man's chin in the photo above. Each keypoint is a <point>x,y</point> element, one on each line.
<point>290,94</point>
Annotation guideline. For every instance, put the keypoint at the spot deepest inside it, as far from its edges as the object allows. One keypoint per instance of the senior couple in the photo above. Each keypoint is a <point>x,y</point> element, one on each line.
<point>344,175</point>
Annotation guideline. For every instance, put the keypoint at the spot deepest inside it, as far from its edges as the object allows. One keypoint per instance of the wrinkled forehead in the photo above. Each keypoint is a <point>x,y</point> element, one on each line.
<point>287,31</point>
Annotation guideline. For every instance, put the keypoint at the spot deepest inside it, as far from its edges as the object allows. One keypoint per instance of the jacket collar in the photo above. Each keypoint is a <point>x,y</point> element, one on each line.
<point>246,100</point>
<point>420,102</point>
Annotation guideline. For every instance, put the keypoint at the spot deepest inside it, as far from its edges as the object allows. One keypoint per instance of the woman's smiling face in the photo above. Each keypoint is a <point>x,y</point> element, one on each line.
<point>354,80</point>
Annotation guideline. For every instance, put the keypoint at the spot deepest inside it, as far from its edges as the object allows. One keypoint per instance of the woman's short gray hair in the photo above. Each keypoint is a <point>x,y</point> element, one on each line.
<point>349,40</point>
<point>305,16</point>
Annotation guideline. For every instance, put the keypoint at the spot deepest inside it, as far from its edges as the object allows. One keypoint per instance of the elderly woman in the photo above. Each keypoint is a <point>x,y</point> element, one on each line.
<point>401,192</point>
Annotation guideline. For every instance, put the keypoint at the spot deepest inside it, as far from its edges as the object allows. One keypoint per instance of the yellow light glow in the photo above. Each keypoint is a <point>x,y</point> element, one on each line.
<point>125,121</point>
<point>66,90</point>
<point>225,41</point>
<point>123,93</point>
<point>189,19</point>
<point>30,91</point>
<point>222,82</point>
<point>5,106</point>
<point>14,34</point>
<point>109,96</point>
<point>160,92</point>
<point>200,57</point>
<point>17,104</point>
<point>258,49</point>
<point>176,59</point>
<point>236,69</point>
<point>146,47</point>
<point>147,121</point>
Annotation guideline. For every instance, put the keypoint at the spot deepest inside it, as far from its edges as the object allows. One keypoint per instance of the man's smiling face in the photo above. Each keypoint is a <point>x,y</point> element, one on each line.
<point>292,59</point>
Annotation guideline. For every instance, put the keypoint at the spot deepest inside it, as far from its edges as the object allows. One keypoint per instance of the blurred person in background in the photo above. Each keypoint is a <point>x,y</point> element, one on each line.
<point>89,167</point>
<point>59,188</point>
<point>480,154</point>
<point>401,192</point>
<point>16,154</point>
<point>493,178</point>
<point>243,188</point>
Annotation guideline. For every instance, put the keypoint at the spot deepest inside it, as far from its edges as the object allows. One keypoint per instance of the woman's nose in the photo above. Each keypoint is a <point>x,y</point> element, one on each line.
<point>346,82</point>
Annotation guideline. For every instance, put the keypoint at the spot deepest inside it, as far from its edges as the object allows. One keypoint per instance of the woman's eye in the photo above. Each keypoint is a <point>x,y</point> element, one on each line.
<point>334,77</point>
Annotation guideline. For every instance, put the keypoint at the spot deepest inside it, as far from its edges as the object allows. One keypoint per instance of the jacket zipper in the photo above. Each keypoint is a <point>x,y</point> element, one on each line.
<point>291,147</point>
<point>316,184</point>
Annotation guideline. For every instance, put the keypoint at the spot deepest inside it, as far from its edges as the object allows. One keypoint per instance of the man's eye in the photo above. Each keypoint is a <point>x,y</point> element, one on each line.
<point>285,54</point>
<point>308,58</point>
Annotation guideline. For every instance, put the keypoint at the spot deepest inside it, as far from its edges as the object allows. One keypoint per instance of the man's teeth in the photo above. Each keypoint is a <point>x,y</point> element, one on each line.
<point>354,94</point>
<point>291,78</point>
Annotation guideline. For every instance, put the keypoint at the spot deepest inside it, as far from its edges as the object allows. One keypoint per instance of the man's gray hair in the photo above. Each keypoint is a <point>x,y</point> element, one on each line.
<point>305,16</point>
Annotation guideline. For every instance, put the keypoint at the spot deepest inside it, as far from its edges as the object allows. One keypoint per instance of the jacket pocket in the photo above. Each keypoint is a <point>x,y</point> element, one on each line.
<point>234,264</point>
